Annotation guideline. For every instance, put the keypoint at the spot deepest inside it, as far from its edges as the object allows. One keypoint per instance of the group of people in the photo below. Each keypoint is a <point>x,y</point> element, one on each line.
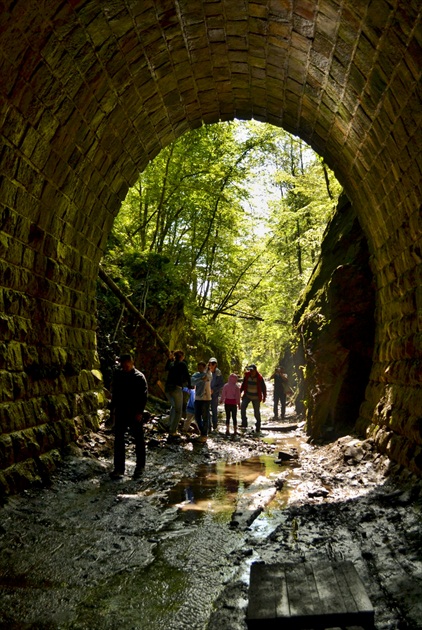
<point>206,383</point>
<point>195,397</point>
<point>205,390</point>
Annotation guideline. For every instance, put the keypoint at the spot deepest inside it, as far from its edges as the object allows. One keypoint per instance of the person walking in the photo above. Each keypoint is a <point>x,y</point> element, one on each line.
<point>202,382</point>
<point>217,384</point>
<point>230,396</point>
<point>128,400</point>
<point>281,385</point>
<point>255,391</point>
<point>178,376</point>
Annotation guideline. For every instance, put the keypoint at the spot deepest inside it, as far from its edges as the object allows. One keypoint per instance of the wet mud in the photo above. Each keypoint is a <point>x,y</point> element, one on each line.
<point>174,548</point>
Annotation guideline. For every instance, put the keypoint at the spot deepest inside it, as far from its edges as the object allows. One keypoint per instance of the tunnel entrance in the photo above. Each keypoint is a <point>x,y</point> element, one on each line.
<point>92,92</point>
<point>214,244</point>
<point>215,247</point>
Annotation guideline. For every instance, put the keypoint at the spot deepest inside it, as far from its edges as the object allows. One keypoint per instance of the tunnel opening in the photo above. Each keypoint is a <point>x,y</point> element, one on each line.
<point>91,93</point>
<point>278,205</point>
<point>215,241</point>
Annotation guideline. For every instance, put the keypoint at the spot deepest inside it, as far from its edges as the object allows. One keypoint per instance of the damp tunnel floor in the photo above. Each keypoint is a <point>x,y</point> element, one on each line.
<point>174,549</point>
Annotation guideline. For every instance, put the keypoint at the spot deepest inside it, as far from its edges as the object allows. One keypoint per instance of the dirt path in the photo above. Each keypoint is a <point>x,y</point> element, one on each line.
<point>173,550</point>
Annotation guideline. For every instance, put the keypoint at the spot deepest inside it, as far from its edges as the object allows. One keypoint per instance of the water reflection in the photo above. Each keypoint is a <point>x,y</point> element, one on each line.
<point>218,487</point>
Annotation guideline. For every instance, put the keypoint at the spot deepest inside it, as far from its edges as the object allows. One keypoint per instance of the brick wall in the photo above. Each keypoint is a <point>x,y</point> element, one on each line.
<point>90,92</point>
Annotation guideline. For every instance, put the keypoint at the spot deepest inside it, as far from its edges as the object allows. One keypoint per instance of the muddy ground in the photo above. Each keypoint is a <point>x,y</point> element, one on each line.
<point>174,549</point>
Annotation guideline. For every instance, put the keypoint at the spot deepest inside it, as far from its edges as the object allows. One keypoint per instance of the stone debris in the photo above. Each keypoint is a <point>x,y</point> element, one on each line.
<point>88,543</point>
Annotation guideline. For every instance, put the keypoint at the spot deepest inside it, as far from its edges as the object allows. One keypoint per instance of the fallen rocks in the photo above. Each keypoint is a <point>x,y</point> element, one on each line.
<point>252,503</point>
<point>286,457</point>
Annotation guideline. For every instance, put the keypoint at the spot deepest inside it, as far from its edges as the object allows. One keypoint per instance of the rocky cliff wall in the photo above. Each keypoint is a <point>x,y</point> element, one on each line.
<point>338,353</point>
<point>335,324</point>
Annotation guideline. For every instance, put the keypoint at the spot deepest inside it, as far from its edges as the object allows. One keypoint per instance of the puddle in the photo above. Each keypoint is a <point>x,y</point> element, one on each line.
<point>104,556</point>
<point>217,488</point>
<point>93,553</point>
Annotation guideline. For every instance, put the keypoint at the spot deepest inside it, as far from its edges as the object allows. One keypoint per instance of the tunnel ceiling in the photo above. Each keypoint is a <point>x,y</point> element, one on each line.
<point>93,90</point>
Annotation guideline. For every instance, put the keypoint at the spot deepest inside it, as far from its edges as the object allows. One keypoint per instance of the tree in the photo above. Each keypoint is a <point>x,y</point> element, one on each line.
<point>237,210</point>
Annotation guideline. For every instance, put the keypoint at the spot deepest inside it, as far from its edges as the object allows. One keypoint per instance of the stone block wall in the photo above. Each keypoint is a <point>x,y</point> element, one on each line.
<point>50,385</point>
<point>50,389</point>
<point>91,91</point>
<point>393,408</point>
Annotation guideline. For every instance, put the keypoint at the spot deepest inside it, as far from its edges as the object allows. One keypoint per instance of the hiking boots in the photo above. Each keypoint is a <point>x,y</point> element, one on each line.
<point>174,438</point>
<point>117,474</point>
<point>138,472</point>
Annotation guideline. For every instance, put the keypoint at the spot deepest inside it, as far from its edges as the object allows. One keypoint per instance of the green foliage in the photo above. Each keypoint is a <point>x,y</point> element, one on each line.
<point>225,227</point>
<point>301,195</point>
<point>150,282</point>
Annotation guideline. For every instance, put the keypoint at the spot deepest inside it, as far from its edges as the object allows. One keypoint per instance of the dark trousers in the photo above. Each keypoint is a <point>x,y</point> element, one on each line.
<point>280,397</point>
<point>213,415</point>
<point>231,411</point>
<point>201,415</point>
<point>256,410</point>
<point>124,422</point>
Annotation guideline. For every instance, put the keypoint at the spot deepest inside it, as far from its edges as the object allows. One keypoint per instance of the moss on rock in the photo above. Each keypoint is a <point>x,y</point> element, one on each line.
<point>335,323</point>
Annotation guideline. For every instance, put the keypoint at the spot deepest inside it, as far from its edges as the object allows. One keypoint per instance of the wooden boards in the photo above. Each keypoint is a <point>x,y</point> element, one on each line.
<point>283,428</point>
<point>307,595</point>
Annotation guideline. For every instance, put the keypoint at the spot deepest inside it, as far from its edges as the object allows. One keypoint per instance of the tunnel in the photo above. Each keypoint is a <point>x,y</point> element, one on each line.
<point>92,91</point>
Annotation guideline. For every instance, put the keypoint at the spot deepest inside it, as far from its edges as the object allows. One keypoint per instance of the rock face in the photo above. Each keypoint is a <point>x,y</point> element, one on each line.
<point>336,325</point>
<point>90,93</point>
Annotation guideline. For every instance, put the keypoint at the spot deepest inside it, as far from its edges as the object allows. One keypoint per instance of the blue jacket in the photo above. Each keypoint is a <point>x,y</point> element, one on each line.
<point>217,383</point>
<point>190,407</point>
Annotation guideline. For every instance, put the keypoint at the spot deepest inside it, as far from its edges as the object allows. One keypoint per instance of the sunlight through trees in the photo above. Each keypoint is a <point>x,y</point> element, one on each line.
<point>228,221</point>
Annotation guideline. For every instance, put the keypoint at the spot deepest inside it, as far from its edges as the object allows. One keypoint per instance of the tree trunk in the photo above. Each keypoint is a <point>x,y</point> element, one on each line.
<point>118,293</point>
<point>298,248</point>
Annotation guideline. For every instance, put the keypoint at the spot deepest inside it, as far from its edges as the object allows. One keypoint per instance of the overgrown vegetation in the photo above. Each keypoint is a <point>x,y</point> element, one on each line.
<point>216,241</point>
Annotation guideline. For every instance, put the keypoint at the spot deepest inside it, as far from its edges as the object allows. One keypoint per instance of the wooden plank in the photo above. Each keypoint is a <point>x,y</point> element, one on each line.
<point>262,595</point>
<point>312,586</point>
<point>307,595</point>
<point>356,588</point>
<point>331,600</point>
<point>282,599</point>
<point>349,600</point>
<point>301,591</point>
<point>267,596</point>
<point>276,427</point>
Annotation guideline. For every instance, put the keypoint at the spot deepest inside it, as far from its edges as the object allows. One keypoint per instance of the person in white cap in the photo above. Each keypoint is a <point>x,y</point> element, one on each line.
<point>217,384</point>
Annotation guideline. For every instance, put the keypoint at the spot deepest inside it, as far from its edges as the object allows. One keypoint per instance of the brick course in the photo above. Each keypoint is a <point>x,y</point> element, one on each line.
<point>91,91</point>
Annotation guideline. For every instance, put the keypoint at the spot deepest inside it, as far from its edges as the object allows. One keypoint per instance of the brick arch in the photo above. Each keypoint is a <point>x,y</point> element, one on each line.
<point>91,91</point>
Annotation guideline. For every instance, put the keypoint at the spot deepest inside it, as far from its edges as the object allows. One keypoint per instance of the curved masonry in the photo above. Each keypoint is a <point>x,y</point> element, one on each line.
<point>91,91</point>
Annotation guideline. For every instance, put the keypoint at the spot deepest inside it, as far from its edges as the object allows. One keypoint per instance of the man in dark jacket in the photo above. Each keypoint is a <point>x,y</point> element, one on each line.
<point>128,400</point>
<point>254,390</point>
<point>281,383</point>
<point>178,377</point>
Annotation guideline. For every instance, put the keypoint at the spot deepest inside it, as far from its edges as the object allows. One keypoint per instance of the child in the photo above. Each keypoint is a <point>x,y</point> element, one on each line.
<point>230,396</point>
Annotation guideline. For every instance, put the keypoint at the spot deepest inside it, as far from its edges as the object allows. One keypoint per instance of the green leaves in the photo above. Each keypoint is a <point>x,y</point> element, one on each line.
<point>228,219</point>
